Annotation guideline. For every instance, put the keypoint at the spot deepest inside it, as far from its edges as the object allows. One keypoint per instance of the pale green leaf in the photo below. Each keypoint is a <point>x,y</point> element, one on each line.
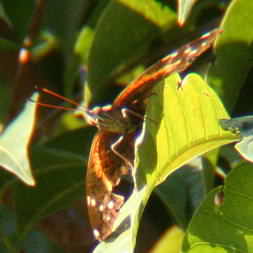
<point>189,125</point>
<point>14,143</point>
<point>170,242</point>
<point>184,9</point>
<point>245,148</point>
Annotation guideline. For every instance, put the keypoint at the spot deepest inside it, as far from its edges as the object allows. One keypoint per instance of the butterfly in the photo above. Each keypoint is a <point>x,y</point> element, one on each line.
<point>112,150</point>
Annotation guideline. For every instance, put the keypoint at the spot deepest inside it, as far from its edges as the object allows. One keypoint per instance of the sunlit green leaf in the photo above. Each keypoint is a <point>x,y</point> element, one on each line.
<point>170,242</point>
<point>184,9</point>
<point>181,123</point>
<point>14,143</point>
<point>189,122</point>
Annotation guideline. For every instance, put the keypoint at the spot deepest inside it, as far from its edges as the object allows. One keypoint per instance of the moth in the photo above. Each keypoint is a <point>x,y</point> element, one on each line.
<point>112,150</point>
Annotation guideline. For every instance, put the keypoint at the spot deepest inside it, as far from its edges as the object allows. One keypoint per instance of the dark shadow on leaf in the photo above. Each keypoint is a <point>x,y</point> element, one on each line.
<point>124,225</point>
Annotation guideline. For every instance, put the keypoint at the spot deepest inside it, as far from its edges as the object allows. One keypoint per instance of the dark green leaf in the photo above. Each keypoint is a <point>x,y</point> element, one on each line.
<point>233,52</point>
<point>60,172</point>
<point>58,184</point>
<point>244,127</point>
<point>124,32</point>
<point>19,14</point>
<point>223,223</point>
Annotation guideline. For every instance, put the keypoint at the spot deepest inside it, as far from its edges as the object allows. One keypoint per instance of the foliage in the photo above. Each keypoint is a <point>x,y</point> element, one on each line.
<point>97,47</point>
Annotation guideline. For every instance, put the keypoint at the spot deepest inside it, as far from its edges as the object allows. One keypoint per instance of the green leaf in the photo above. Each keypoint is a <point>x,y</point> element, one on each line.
<point>227,212</point>
<point>83,43</point>
<point>233,52</point>
<point>38,242</point>
<point>3,15</point>
<point>245,148</point>
<point>64,18</point>
<point>186,197</point>
<point>19,15</point>
<point>65,21</point>
<point>35,241</point>
<point>14,143</point>
<point>50,194</point>
<point>8,45</point>
<point>170,242</point>
<point>244,127</point>
<point>181,123</point>
<point>189,122</point>
<point>7,229</point>
<point>184,9</point>
<point>60,169</point>
<point>118,44</point>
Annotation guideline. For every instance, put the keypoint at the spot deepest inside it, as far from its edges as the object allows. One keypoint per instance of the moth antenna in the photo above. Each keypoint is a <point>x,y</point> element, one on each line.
<point>54,94</point>
<point>52,106</point>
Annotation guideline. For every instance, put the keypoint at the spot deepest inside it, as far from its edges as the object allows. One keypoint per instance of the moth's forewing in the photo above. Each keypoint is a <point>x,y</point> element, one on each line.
<point>177,61</point>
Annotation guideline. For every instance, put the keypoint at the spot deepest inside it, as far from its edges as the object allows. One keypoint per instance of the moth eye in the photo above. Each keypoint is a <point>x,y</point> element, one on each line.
<point>107,218</point>
<point>110,205</point>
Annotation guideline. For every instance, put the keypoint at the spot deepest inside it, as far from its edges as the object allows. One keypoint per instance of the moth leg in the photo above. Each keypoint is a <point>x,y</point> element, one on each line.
<point>116,152</point>
<point>126,112</point>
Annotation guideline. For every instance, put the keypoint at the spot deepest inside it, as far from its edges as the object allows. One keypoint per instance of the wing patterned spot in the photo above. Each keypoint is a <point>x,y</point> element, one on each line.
<point>110,205</point>
<point>107,218</point>
<point>101,208</point>
<point>93,202</point>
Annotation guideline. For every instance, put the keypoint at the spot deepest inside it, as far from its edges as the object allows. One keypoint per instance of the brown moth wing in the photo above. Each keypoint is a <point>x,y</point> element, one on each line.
<point>177,61</point>
<point>104,172</point>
